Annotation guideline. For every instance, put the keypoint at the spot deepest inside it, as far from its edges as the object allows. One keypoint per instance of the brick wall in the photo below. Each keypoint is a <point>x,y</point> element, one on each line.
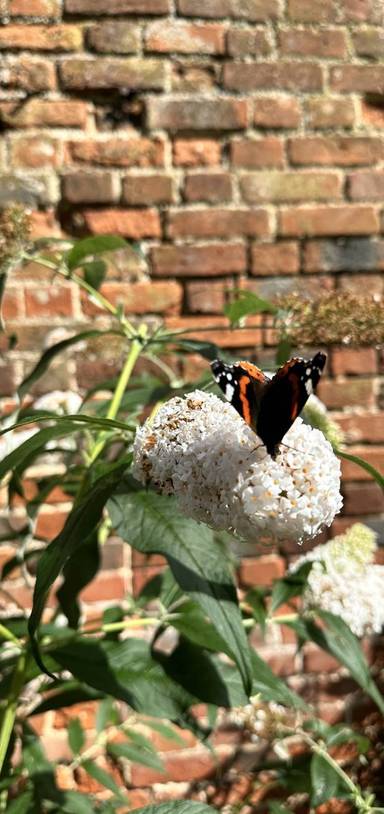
<point>242,143</point>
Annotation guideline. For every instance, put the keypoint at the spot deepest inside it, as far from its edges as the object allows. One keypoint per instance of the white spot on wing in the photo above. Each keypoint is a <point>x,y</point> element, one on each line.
<point>229,391</point>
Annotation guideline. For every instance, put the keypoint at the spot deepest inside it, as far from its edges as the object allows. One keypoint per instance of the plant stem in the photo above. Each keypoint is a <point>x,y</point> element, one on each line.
<point>9,636</point>
<point>10,710</point>
<point>126,624</point>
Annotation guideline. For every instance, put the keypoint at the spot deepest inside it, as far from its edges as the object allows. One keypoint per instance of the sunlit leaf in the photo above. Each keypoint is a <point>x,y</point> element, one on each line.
<point>91,246</point>
<point>246,303</point>
<point>76,737</point>
<point>355,459</point>
<point>325,781</point>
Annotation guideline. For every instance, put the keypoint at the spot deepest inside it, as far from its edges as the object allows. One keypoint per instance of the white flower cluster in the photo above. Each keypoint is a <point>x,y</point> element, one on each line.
<point>345,580</point>
<point>62,402</point>
<point>199,449</point>
<point>259,718</point>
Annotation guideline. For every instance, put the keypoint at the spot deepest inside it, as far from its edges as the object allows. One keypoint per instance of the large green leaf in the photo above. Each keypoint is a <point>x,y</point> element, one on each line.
<point>99,774</point>
<point>136,754</point>
<point>325,781</point>
<point>151,523</point>
<point>289,586</point>
<point>94,273</point>
<point>247,302</point>
<point>91,246</point>
<point>177,807</point>
<point>78,571</point>
<point>22,804</point>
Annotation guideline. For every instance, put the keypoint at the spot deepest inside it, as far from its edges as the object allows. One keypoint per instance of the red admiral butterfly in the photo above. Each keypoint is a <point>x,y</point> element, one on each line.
<point>269,406</point>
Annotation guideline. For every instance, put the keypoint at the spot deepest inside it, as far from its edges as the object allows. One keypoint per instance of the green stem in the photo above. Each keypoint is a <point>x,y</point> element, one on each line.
<point>126,624</point>
<point>6,634</point>
<point>9,715</point>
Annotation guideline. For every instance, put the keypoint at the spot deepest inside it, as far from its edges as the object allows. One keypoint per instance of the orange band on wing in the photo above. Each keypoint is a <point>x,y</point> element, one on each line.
<point>243,383</point>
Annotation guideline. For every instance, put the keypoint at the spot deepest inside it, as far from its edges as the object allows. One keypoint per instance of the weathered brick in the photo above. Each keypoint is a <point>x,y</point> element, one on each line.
<point>185,38</point>
<point>45,113</point>
<point>360,428</point>
<point>119,152</point>
<point>117,7</point>
<point>290,186</point>
<point>41,37</point>
<point>35,151</point>
<point>192,78</point>
<point>87,187</point>
<point>154,297</point>
<point>325,42</point>
<point>215,260</point>
<point>147,189</point>
<point>372,113</point>
<point>281,285</point>
<point>205,297</point>
<point>345,254</point>
<point>342,151</point>
<point>293,76</point>
<point>369,42</point>
<point>325,112</point>
<point>133,223</point>
<point>263,152</point>
<point>366,186</point>
<point>214,329</point>
<point>362,498</point>
<point>361,11</point>
<point>110,37</point>
<point>277,112</point>
<point>372,454</point>
<point>353,361</point>
<point>205,223</point>
<point>252,10</point>
<point>305,11</point>
<point>197,113</point>
<point>327,220</point>
<point>371,284</point>
<point>244,41</point>
<point>34,8</point>
<point>210,187</point>
<point>357,78</point>
<point>50,301</point>
<point>261,571</point>
<point>358,392</point>
<point>275,258</point>
<point>26,73</point>
<point>108,72</point>
<point>196,153</point>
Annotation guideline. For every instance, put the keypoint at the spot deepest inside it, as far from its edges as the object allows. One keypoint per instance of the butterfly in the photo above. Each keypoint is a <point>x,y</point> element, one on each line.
<point>269,406</point>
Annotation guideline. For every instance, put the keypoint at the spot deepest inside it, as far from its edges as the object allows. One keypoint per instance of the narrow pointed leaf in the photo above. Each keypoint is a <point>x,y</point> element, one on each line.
<point>76,737</point>
<point>104,778</point>
<point>136,754</point>
<point>325,781</point>
<point>355,459</point>
<point>91,246</point>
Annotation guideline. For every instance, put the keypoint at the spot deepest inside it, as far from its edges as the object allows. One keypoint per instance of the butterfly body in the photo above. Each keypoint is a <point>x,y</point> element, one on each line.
<point>269,406</point>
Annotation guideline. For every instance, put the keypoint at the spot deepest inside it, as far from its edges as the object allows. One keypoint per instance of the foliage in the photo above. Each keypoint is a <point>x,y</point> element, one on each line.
<point>50,666</point>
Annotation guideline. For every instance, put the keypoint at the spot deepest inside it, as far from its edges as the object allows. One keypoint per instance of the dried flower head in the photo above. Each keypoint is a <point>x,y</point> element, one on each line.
<point>14,233</point>
<point>200,450</point>
<point>332,319</point>
<point>345,580</point>
<point>260,719</point>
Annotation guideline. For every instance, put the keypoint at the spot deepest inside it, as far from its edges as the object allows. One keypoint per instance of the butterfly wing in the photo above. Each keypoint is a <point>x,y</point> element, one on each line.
<point>285,396</point>
<point>243,385</point>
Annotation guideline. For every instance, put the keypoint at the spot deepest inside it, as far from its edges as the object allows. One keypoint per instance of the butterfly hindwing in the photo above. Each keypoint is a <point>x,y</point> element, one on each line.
<point>242,385</point>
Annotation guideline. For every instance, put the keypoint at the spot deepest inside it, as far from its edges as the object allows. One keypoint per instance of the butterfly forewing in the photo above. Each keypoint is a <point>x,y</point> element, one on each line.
<point>242,385</point>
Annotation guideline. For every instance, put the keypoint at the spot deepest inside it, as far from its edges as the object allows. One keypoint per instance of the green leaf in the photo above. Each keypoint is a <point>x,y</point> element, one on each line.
<point>106,714</point>
<point>48,355</point>
<point>78,571</point>
<point>247,302</point>
<point>104,778</point>
<point>277,808</point>
<point>76,737</point>
<point>325,781</point>
<point>165,731</point>
<point>202,676</point>
<point>355,459</point>
<point>177,807</point>
<point>151,523</point>
<point>136,754</point>
<point>76,803</point>
<point>91,246</point>
<point>256,599</point>
<point>81,521</point>
<point>289,586</point>
<point>94,273</point>
<point>192,623</point>
<point>271,687</point>
<point>22,804</point>
<point>283,351</point>
<point>65,696</point>
<point>208,350</point>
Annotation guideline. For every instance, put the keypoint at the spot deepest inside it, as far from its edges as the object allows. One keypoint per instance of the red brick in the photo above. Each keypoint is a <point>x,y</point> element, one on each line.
<point>193,77</point>
<point>277,112</point>
<point>197,113</point>
<point>343,151</point>
<point>86,187</point>
<point>141,576</point>
<point>305,11</point>
<point>12,303</point>
<point>31,75</point>
<point>354,361</point>
<point>85,712</point>
<point>198,261</point>
<point>290,186</point>
<point>293,76</point>
<point>34,8</point>
<point>45,113</point>
<point>35,151</point>
<point>362,427</point>
<point>52,301</point>
<point>261,571</point>
<point>372,114</point>
<point>141,298</point>
<point>147,189</point>
<point>111,72</point>
<point>205,223</point>
<point>107,586</point>
<point>178,36</point>
<point>214,329</point>
<point>44,224</point>
<point>362,498</point>
<point>114,37</point>
<point>205,297</point>
<point>210,187</point>
<point>369,42</point>
<point>325,220</point>
<point>120,152</point>
<point>324,112</point>
<point>50,523</point>
<point>317,661</point>
<point>132,223</point>
<point>244,41</point>
<point>357,78</point>
<point>263,152</point>
<point>252,10</point>
<point>366,186</point>
<point>325,42</point>
<point>41,37</point>
<point>188,766</point>
<point>372,455</point>
<point>361,11</point>
<point>371,284</point>
<point>275,258</point>
<point>117,7</point>
<point>359,392</point>
<point>196,153</point>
